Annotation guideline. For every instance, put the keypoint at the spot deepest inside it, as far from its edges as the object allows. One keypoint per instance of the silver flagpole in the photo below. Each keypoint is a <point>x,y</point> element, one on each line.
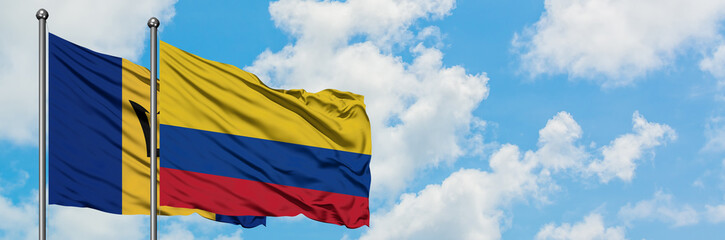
<point>42,16</point>
<point>153,24</point>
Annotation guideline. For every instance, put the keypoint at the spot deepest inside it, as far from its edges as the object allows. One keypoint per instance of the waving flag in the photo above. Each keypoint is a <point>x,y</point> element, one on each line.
<point>233,146</point>
<point>98,131</point>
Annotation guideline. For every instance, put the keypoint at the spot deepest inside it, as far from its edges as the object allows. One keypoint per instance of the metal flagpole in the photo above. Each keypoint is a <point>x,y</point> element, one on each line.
<point>42,16</point>
<point>153,24</point>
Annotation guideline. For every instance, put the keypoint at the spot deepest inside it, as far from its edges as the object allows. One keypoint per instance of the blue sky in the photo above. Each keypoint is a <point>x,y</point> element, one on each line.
<point>583,119</point>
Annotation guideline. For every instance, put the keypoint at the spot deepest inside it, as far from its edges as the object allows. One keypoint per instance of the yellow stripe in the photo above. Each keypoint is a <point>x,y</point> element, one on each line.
<point>135,167</point>
<point>211,96</point>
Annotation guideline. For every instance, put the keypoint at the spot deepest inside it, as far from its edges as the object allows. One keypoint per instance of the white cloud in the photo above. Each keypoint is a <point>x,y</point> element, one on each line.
<point>616,40</point>
<point>237,235</point>
<point>715,64</point>
<point>620,155</point>
<point>196,227</point>
<point>662,208</point>
<point>86,223</point>
<point>557,148</point>
<point>333,23</point>
<point>592,227</point>
<point>19,219</point>
<point>465,206</point>
<point>112,27</point>
<point>176,231</point>
<point>715,135</point>
<point>715,214</point>
<point>418,110</point>
<point>470,203</point>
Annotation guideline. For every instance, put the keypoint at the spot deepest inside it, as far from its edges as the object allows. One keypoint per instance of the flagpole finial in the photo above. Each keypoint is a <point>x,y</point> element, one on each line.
<point>41,14</point>
<point>153,22</point>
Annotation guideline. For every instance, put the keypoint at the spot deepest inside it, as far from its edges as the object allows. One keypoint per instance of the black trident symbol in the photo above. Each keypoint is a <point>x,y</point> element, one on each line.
<point>144,121</point>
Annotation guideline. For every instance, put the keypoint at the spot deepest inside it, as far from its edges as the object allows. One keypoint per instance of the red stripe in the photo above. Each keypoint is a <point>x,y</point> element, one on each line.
<point>240,197</point>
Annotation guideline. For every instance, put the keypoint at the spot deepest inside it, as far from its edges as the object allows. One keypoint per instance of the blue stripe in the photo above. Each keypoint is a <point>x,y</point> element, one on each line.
<point>84,112</point>
<point>265,161</point>
<point>245,221</point>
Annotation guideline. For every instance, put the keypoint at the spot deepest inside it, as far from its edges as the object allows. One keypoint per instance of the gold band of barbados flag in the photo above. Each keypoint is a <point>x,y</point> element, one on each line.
<point>233,146</point>
<point>98,134</point>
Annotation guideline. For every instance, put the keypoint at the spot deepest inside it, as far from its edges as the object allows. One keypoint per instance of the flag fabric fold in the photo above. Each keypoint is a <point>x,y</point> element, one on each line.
<point>98,134</point>
<point>233,146</point>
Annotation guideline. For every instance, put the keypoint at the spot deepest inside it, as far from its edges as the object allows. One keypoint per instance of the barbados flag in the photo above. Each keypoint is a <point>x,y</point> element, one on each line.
<point>98,134</point>
<point>233,146</point>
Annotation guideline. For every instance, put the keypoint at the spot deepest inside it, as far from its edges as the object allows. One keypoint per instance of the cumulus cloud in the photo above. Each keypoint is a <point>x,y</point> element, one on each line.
<point>616,40</point>
<point>237,235</point>
<point>592,227</point>
<point>86,223</point>
<point>332,23</point>
<point>18,219</point>
<point>112,27</point>
<point>620,156</point>
<point>418,109</point>
<point>557,144</point>
<point>196,227</point>
<point>715,63</point>
<point>662,208</point>
<point>559,150</point>
<point>715,214</point>
<point>465,206</point>
<point>471,203</point>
